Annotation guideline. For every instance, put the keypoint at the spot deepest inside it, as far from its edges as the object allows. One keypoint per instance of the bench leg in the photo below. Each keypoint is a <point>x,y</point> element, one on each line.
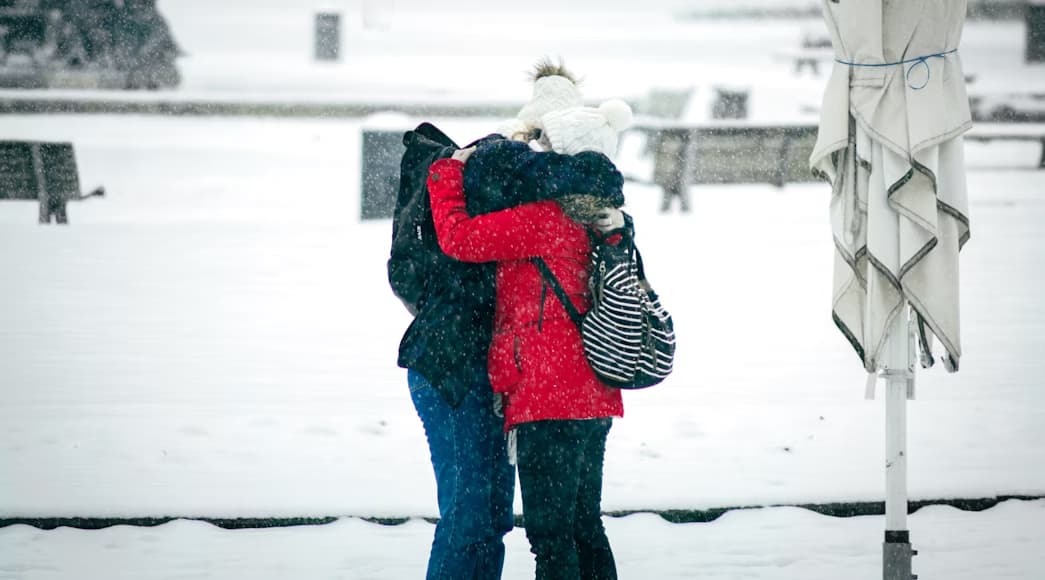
<point>61,215</point>
<point>780,179</point>
<point>1041,164</point>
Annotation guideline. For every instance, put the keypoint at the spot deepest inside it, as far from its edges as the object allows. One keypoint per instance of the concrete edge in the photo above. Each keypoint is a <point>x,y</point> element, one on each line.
<point>173,107</point>
<point>675,516</point>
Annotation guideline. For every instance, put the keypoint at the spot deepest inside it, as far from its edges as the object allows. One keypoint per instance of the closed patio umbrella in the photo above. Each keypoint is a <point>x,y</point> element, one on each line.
<point>890,144</point>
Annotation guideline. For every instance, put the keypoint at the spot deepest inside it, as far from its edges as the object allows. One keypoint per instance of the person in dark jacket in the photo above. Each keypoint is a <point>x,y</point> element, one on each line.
<point>445,347</point>
<point>671,151</point>
<point>557,406</point>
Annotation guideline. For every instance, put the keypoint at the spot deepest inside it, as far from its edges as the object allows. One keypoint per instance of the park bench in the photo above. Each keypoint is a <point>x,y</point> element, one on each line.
<point>736,152</point>
<point>42,172</point>
<point>986,132</point>
<point>732,152</point>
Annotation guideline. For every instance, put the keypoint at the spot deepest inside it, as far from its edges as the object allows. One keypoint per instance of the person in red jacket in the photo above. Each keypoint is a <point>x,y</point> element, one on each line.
<point>557,408</point>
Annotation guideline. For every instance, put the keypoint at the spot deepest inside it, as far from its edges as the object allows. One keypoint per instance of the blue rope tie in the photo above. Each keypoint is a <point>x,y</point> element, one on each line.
<point>919,60</point>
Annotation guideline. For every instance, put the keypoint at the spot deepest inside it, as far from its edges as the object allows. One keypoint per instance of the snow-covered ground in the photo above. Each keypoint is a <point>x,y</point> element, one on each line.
<point>216,338</point>
<point>1003,543</point>
<point>223,316</point>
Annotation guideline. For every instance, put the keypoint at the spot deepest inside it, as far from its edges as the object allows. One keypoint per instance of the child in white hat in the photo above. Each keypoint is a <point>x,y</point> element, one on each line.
<point>555,119</point>
<point>554,88</point>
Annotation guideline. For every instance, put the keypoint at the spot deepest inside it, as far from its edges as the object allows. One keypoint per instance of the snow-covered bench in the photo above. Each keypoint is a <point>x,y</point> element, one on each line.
<point>1010,132</point>
<point>807,57</point>
<point>733,151</point>
<point>741,152</point>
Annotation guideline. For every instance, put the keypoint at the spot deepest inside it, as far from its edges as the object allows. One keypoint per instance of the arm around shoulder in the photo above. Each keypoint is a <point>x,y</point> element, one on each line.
<point>510,234</point>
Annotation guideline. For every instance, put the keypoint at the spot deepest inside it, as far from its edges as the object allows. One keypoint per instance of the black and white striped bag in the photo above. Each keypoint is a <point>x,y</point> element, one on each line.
<point>629,338</point>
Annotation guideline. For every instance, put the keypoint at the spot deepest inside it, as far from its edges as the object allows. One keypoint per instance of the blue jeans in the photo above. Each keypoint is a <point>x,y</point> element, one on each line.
<point>474,481</point>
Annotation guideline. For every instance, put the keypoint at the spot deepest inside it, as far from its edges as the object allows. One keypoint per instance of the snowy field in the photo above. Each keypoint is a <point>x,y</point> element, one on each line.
<point>216,338</point>
<point>222,316</point>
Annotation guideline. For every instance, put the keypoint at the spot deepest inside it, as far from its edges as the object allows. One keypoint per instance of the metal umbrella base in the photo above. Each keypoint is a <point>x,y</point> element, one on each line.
<point>896,556</point>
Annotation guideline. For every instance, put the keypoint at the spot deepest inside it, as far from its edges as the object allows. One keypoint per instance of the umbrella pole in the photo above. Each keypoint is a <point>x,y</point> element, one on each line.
<point>899,376</point>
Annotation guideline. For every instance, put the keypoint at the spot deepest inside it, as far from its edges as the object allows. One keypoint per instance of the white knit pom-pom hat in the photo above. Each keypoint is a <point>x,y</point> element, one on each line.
<point>550,93</point>
<point>579,129</point>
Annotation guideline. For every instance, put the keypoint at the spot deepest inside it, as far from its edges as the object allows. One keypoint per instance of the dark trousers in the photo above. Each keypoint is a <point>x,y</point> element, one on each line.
<point>474,481</point>
<point>560,475</point>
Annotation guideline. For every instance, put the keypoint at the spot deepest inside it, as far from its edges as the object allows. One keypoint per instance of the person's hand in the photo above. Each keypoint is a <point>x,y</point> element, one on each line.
<point>462,155</point>
<point>609,219</point>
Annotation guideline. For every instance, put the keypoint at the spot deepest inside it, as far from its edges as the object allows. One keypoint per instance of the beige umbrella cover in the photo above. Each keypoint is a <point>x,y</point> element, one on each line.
<point>889,143</point>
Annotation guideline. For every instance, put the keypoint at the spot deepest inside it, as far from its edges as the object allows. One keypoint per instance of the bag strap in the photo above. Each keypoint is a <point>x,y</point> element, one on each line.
<point>550,278</point>
<point>638,260</point>
<point>627,234</point>
<point>628,238</point>
<point>546,272</point>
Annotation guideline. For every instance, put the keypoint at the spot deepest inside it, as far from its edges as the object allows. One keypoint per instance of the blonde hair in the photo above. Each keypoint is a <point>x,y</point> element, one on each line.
<point>582,208</point>
<point>527,134</point>
<point>547,68</point>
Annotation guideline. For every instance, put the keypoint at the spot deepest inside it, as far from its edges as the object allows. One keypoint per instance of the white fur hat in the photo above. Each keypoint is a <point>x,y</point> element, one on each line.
<point>550,93</point>
<point>579,129</point>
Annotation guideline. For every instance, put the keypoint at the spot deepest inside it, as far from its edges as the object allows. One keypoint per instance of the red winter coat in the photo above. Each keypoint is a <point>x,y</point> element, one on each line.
<point>536,356</point>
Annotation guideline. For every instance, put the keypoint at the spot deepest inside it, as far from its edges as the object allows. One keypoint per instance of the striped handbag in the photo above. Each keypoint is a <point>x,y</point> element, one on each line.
<point>629,338</point>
